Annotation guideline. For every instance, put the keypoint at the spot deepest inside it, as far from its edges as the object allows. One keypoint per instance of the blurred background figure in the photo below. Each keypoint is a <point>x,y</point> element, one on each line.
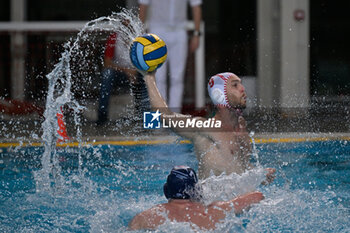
<point>117,68</point>
<point>252,39</point>
<point>167,19</point>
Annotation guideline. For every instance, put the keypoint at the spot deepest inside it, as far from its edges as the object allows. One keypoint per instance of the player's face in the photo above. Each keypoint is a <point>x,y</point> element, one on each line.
<point>236,92</point>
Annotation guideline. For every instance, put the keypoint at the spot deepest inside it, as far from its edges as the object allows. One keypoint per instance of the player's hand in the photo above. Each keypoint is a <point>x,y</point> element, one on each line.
<point>270,176</point>
<point>148,75</point>
<point>144,73</point>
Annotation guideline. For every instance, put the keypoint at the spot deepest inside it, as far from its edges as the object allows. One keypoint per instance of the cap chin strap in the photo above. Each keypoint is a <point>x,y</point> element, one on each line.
<point>237,110</point>
<point>166,191</point>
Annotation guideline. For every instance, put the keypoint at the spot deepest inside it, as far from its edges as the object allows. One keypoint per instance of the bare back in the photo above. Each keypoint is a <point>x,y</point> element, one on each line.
<point>191,212</point>
<point>195,213</point>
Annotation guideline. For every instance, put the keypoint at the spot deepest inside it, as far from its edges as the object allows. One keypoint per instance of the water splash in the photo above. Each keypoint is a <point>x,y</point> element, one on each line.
<point>227,187</point>
<point>72,71</point>
<point>254,150</point>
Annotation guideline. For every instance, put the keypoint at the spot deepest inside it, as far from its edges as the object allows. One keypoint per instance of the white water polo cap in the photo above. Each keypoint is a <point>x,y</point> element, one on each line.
<point>217,89</point>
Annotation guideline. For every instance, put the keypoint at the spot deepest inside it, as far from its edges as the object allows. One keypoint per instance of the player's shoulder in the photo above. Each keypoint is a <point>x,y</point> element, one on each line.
<point>150,213</point>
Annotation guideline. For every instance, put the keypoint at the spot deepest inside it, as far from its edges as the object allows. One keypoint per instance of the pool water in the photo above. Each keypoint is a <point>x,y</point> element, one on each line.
<point>100,188</point>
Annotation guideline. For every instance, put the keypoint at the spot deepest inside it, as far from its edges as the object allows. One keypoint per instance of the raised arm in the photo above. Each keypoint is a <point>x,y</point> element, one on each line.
<point>158,103</point>
<point>156,100</point>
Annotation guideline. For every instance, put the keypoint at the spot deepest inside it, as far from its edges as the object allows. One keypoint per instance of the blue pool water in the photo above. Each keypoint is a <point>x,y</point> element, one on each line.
<point>100,188</point>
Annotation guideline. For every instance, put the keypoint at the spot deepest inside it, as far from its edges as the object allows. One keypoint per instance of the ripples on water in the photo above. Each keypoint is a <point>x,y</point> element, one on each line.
<point>114,183</point>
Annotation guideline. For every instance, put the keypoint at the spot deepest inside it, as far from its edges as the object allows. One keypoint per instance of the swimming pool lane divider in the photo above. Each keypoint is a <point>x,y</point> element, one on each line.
<point>159,142</point>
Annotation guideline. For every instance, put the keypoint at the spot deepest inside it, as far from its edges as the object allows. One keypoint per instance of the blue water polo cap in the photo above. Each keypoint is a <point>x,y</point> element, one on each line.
<point>181,183</point>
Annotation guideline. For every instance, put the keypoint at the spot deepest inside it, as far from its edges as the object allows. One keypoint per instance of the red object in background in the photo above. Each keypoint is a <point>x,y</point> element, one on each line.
<point>299,14</point>
<point>191,110</point>
<point>62,130</point>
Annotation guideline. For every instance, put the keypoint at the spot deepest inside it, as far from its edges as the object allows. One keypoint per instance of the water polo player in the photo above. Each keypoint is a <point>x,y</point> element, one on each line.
<point>182,193</point>
<point>224,150</point>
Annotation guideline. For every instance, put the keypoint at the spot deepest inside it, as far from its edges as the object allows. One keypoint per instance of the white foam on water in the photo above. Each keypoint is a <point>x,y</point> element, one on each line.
<point>227,187</point>
<point>297,211</point>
